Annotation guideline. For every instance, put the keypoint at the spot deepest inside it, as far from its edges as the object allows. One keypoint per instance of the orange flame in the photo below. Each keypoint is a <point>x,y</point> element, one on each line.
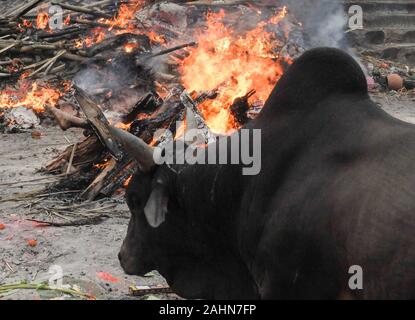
<point>67,20</point>
<point>27,23</point>
<point>127,182</point>
<point>154,37</point>
<point>123,20</point>
<point>120,125</point>
<point>130,47</point>
<point>29,95</point>
<point>233,65</point>
<point>42,20</point>
<point>126,13</point>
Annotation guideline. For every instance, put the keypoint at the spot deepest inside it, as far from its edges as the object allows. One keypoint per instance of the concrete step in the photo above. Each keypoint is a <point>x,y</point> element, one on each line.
<point>388,29</point>
<point>385,20</point>
<point>378,36</point>
<point>404,53</point>
<point>387,6</point>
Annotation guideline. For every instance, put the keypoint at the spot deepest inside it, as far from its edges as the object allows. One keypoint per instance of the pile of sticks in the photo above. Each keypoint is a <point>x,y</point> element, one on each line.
<point>40,51</point>
<point>97,149</point>
<point>91,164</point>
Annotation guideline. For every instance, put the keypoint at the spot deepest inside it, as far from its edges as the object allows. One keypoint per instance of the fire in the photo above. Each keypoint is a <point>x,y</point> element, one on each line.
<point>130,47</point>
<point>126,13</point>
<point>29,95</point>
<point>121,23</point>
<point>67,20</point>
<point>154,37</point>
<point>27,23</point>
<point>120,125</point>
<point>42,20</point>
<point>127,182</point>
<point>233,65</point>
<point>102,165</point>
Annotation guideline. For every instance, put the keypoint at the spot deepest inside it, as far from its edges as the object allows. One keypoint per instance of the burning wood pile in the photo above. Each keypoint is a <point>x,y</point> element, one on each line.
<point>144,64</point>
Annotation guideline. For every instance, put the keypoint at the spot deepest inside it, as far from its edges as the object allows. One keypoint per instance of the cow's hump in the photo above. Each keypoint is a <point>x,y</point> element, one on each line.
<point>316,75</point>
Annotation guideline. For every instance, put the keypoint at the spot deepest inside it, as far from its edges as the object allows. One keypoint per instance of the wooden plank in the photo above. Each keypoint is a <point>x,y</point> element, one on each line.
<point>98,122</point>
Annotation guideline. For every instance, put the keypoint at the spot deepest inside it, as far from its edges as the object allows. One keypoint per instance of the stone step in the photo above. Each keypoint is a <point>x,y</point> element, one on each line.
<point>387,6</point>
<point>385,20</point>
<point>379,36</point>
<point>404,53</point>
<point>388,30</point>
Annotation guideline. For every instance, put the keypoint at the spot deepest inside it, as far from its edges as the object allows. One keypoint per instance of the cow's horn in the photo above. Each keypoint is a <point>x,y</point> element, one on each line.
<point>136,148</point>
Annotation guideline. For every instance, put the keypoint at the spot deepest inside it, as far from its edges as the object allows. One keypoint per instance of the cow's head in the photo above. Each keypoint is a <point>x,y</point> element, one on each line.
<point>156,231</point>
<point>151,202</point>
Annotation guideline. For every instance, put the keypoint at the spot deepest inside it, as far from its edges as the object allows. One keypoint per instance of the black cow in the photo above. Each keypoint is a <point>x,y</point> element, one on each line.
<point>336,189</point>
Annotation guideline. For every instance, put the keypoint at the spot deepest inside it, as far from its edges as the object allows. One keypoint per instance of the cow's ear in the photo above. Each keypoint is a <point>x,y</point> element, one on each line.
<point>156,206</point>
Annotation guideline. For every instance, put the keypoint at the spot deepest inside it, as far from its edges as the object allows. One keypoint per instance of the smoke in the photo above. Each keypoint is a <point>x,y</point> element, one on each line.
<point>324,22</point>
<point>114,75</point>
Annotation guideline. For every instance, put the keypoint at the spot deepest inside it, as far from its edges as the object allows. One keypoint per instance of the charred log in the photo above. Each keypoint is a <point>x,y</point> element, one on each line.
<point>240,107</point>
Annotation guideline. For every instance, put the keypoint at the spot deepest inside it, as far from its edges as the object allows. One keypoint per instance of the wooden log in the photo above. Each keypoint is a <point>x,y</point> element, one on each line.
<point>239,108</point>
<point>97,4</point>
<point>146,290</point>
<point>98,24</point>
<point>118,40</point>
<point>68,31</point>
<point>145,128</point>
<point>106,44</point>
<point>220,3</point>
<point>13,45</point>
<point>58,69</point>
<point>147,105</point>
<point>83,10</point>
<point>119,179</point>
<point>194,119</point>
<point>166,51</point>
<point>25,8</point>
<point>48,63</point>
<point>74,57</point>
<point>93,189</point>
<point>88,151</point>
<point>98,122</point>
<point>33,47</point>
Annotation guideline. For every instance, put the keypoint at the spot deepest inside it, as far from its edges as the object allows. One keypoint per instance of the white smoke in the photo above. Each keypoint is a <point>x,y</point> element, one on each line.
<point>324,21</point>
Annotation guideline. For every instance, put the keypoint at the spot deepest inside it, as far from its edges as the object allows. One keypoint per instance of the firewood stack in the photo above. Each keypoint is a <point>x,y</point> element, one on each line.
<point>123,56</point>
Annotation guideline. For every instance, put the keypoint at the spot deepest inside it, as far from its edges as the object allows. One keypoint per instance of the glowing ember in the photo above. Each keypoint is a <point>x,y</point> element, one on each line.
<point>130,47</point>
<point>42,20</point>
<point>29,95</point>
<point>125,126</point>
<point>24,75</point>
<point>101,165</point>
<point>154,37</point>
<point>127,182</point>
<point>27,23</point>
<point>233,65</point>
<point>67,20</point>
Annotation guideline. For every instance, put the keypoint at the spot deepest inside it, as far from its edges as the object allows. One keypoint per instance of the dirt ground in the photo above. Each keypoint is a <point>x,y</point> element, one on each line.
<point>82,252</point>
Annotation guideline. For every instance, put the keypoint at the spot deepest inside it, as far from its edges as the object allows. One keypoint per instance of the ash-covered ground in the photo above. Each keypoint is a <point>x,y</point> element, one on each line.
<point>83,252</point>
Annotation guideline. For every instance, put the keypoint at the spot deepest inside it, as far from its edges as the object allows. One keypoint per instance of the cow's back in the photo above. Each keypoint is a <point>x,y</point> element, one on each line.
<point>335,191</point>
